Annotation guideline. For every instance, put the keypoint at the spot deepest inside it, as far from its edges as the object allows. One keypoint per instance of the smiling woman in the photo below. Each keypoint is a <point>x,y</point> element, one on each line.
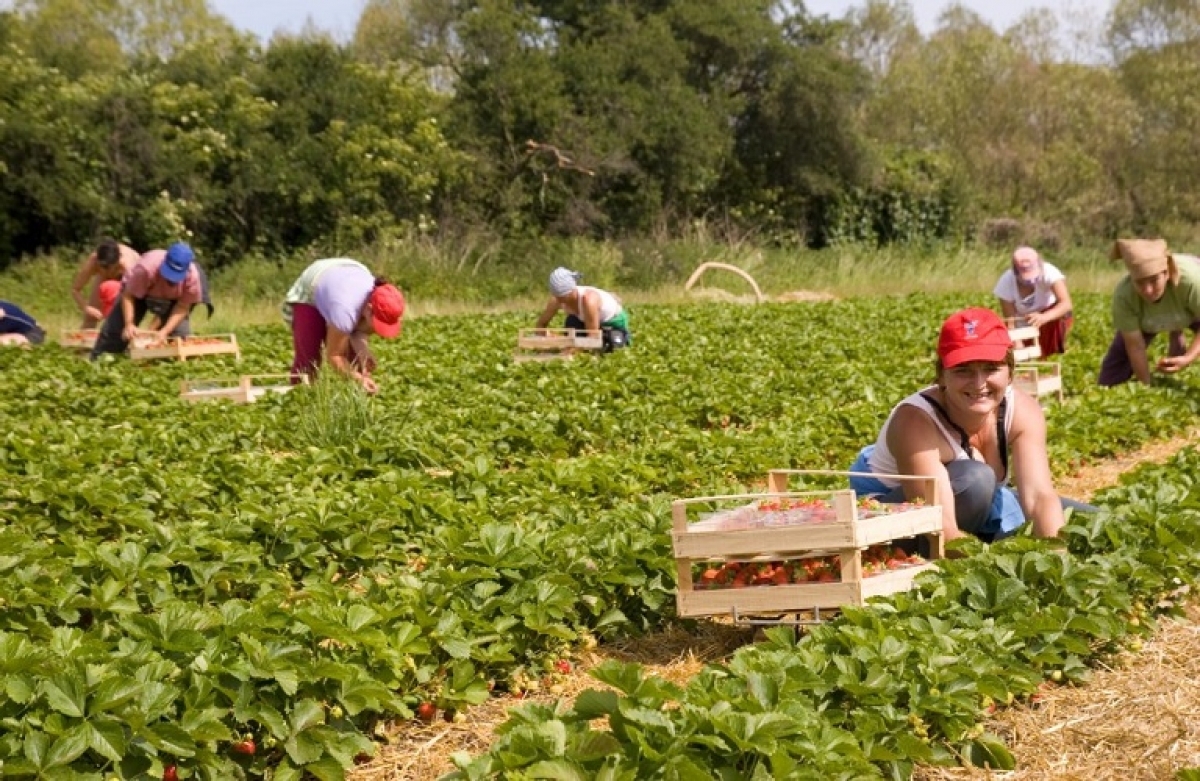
<point>962,431</point>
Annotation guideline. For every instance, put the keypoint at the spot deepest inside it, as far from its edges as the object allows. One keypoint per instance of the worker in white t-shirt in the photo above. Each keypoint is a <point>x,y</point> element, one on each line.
<point>1036,291</point>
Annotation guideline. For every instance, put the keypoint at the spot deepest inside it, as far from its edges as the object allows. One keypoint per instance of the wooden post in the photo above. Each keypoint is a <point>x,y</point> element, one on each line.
<point>683,567</point>
<point>844,505</point>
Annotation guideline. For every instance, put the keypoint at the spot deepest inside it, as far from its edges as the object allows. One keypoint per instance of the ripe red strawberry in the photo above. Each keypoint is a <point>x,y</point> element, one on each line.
<point>170,773</point>
<point>427,712</point>
<point>563,666</point>
<point>246,747</point>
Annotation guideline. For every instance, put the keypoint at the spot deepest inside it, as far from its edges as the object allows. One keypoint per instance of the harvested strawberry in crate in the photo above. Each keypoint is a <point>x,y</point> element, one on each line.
<point>789,551</point>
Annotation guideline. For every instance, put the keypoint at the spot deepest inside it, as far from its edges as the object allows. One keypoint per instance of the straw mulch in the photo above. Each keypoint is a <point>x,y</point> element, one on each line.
<point>1139,719</point>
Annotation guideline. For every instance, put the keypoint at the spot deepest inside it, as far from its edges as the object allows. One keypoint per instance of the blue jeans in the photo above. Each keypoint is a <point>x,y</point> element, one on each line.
<point>981,507</point>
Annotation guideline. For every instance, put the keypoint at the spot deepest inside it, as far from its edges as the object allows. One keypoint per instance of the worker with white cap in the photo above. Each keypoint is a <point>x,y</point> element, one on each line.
<point>587,308</point>
<point>1036,292</point>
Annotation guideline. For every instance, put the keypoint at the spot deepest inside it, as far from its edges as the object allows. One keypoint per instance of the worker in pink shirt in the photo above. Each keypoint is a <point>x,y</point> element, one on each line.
<point>166,283</point>
<point>107,265</point>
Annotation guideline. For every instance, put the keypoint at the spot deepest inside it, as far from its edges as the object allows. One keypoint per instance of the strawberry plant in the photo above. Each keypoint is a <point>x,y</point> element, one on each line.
<point>175,577</point>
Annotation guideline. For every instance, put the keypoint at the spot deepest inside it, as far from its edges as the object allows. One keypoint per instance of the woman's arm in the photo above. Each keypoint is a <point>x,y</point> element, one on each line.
<point>589,310</point>
<point>917,446</point>
<point>1135,349</point>
<point>337,352</point>
<point>1062,306</point>
<point>1008,308</point>
<point>551,309</point>
<point>86,272</point>
<point>1173,363</point>
<point>1031,467</point>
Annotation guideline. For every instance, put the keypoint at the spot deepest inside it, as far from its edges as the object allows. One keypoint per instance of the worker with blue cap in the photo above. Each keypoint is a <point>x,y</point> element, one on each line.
<point>167,284</point>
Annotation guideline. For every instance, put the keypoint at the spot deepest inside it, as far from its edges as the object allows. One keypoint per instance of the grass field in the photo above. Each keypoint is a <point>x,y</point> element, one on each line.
<point>249,293</point>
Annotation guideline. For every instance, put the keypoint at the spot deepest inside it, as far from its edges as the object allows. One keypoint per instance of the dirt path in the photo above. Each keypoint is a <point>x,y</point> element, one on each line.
<point>1139,721</point>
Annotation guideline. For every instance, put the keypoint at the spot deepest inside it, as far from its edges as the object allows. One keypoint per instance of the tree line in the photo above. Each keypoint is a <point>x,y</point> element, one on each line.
<point>152,121</point>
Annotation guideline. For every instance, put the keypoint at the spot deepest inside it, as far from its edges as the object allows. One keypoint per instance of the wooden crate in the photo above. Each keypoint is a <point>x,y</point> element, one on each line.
<point>550,344</point>
<point>1039,378</point>
<point>1025,354</point>
<point>840,529</point>
<point>79,339</point>
<point>246,389</point>
<point>188,347</point>
<point>1020,331</point>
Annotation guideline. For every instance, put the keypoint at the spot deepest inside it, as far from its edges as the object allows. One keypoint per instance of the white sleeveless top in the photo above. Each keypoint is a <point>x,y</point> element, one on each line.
<point>610,307</point>
<point>884,463</point>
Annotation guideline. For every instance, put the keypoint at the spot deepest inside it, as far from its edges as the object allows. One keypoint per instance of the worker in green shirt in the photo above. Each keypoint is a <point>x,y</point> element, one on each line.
<point>1160,293</point>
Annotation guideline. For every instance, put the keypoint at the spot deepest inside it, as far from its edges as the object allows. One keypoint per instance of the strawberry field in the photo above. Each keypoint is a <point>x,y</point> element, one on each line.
<point>223,591</point>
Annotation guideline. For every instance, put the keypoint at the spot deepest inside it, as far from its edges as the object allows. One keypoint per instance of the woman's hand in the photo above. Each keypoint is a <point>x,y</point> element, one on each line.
<point>131,332</point>
<point>369,385</point>
<point>1037,319</point>
<point>93,313</point>
<point>1172,364</point>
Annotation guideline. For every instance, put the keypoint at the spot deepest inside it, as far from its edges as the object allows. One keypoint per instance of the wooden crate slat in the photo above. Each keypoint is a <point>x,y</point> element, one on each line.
<point>1040,378</point>
<point>810,536</point>
<point>1022,333</point>
<point>765,599</point>
<point>245,389</point>
<point>921,520</point>
<point>799,596</point>
<point>893,581</point>
<point>548,344</point>
<point>708,545</point>
<point>1033,352</point>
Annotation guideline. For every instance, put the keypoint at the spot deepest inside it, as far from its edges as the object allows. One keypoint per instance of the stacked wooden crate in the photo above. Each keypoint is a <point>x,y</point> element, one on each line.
<point>1036,377</point>
<point>793,551</point>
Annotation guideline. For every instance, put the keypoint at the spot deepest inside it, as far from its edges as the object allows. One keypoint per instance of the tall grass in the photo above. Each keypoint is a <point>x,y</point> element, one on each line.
<point>483,274</point>
<point>330,412</point>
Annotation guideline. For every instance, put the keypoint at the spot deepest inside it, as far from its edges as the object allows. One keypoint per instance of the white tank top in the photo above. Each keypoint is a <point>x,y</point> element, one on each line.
<point>610,307</point>
<point>884,463</point>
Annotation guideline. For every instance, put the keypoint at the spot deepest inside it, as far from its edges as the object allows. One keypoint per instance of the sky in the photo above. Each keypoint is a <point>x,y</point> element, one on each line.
<point>264,17</point>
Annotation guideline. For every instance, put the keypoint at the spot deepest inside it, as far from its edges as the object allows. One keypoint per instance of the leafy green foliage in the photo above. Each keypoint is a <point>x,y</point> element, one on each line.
<point>173,578</point>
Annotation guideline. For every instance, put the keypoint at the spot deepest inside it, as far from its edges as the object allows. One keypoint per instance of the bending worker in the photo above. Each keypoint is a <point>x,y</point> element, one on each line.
<point>972,430</point>
<point>167,283</point>
<point>107,265</point>
<point>333,307</point>
<point>587,309</point>
<point>1160,293</point>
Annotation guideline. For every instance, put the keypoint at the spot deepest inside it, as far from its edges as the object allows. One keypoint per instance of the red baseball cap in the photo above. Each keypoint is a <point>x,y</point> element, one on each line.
<point>387,310</point>
<point>110,290</point>
<point>973,335</point>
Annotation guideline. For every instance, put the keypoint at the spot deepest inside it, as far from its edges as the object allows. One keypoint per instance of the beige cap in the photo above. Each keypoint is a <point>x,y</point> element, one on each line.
<point>1144,257</point>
